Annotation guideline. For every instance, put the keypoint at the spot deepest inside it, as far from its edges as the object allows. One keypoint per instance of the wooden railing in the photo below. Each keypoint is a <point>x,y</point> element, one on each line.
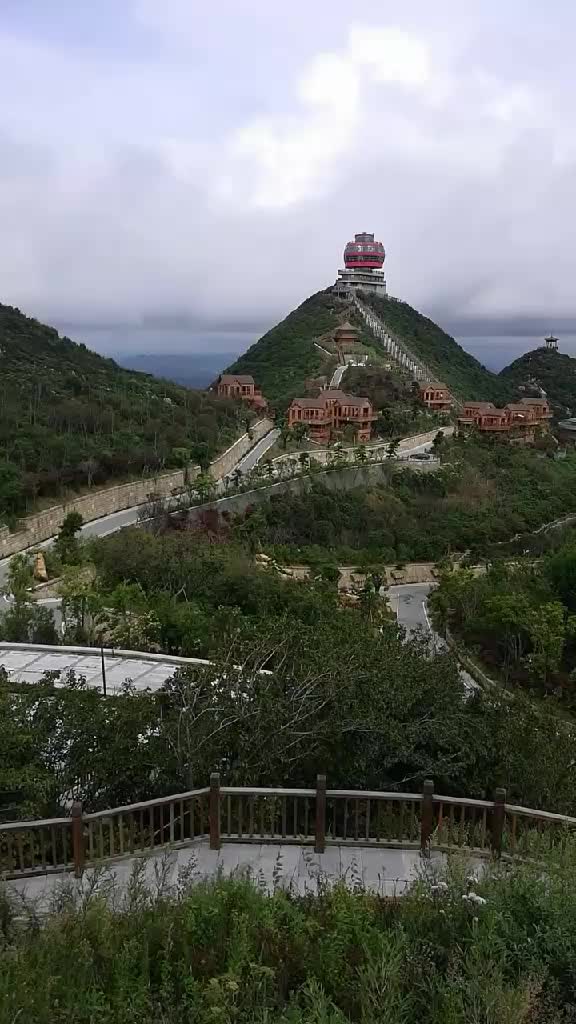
<point>316,817</point>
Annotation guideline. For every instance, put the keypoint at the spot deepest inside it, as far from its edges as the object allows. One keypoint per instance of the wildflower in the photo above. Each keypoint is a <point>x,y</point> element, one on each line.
<point>439,887</point>
<point>473,897</point>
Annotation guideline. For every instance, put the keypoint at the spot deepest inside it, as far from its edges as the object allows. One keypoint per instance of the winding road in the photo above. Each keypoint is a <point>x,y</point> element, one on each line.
<point>129,516</point>
<point>409,602</point>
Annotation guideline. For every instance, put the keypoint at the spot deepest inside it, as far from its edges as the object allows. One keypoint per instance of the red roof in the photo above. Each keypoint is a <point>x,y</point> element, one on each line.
<point>325,397</point>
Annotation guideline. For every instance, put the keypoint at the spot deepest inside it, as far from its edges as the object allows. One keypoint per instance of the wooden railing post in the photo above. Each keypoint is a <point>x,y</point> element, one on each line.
<point>498,815</point>
<point>214,811</point>
<point>77,838</point>
<point>320,831</point>
<point>426,817</point>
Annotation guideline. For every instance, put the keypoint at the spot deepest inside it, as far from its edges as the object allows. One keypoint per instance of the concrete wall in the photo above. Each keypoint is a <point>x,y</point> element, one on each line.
<point>340,479</point>
<point>35,529</point>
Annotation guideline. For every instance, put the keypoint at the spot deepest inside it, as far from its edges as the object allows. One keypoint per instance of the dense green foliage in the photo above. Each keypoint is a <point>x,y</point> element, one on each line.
<point>455,950</point>
<point>460,371</point>
<point>70,419</point>
<point>553,371</point>
<point>346,694</point>
<point>485,492</point>
<point>519,618</point>
<point>286,356</point>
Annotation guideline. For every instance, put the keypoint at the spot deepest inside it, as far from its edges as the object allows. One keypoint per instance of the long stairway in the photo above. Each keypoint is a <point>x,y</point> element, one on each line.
<point>393,346</point>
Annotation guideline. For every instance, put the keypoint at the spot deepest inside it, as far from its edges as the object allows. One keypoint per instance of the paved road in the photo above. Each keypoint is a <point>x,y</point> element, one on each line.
<point>118,520</point>
<point>409,602</point>
<point>257,452</point>
<point>337,376</point>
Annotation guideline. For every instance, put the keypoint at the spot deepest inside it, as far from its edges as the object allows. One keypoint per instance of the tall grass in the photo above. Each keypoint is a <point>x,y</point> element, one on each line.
<point>456,950</point>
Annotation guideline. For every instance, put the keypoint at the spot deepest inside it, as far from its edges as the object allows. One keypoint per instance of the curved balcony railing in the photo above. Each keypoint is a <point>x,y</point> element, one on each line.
<point>308,817</point>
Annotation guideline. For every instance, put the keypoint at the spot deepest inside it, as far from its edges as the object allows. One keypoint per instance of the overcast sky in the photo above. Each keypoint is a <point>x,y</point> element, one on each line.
<point>211,159</point>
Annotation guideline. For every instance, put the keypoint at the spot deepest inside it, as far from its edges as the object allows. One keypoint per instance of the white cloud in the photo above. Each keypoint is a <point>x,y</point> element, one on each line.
<point>295,157</point>
<point>192,168</point>
<point>390,54</point>
<point>388,93</point>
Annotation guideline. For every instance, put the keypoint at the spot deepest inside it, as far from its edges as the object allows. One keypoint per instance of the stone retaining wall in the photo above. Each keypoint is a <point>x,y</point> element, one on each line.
<point>103,502</point>
<point>322,455</point>
<point>226,462</point>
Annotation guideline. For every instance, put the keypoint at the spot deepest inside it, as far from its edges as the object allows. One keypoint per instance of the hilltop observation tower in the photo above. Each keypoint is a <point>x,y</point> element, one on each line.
<point>551,343</point>
<point>363,261</point>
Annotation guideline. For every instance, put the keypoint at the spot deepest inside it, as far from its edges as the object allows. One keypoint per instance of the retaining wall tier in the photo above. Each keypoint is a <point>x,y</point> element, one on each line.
<point>105,501</point>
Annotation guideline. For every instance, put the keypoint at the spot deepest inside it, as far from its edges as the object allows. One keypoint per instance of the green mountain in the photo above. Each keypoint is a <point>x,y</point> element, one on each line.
<point>287,355</point>
<point>455,367</point>
<point>552,371</point>
<point>70,418</point>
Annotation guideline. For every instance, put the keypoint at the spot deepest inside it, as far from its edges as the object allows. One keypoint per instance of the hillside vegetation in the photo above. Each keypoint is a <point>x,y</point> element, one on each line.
<point>484,493</point>
<point>70,418</point>
<point>460,371</point>
<point>456,950</point>
<point>553,371</point>
<point>286,356</point>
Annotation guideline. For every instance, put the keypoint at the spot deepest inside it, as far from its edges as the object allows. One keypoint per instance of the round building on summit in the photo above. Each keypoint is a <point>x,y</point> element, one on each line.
<point>363,262</point>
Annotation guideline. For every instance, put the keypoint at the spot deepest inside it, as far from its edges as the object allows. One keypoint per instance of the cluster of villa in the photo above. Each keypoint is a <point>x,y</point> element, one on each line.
<point>331,412</point>
<point>521,418</point>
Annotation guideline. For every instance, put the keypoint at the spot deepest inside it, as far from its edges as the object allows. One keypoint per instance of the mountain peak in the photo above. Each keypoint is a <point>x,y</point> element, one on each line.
<point>300,348</point>
<point>546,369</point>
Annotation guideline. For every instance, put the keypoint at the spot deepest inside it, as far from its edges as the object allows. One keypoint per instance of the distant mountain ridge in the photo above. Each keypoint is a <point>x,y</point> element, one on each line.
<point>189,369</point>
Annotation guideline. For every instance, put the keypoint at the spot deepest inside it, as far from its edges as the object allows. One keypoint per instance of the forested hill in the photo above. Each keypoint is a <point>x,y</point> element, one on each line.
<point>552,371</point>
<point>455,367</point>
<point>70,418</point>
<point>286,356</point>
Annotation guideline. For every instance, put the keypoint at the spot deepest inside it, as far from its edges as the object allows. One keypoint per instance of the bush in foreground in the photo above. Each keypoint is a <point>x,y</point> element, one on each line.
<point>459,949</point>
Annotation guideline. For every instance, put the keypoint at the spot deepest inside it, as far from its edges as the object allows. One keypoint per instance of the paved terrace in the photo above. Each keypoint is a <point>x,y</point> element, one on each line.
<point>294,838</point>
<point>269,865</point>
<point>27,663</point>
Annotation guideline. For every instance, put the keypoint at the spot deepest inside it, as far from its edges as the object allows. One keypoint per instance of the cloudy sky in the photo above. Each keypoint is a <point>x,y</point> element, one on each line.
<point>211,160</point>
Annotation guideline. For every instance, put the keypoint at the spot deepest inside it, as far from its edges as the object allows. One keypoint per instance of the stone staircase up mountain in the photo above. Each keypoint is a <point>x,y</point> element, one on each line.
<point>396,349</point>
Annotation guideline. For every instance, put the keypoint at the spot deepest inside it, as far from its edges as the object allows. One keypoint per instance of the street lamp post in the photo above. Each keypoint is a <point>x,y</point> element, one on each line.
<point>103,661</point>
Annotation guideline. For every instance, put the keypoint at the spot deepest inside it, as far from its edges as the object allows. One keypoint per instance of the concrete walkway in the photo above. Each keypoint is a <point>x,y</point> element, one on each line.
<point>271,866</point>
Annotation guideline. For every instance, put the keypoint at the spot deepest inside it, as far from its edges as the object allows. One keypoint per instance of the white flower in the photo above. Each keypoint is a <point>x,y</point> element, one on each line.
<point>473,897</point>
<point>439,887</point>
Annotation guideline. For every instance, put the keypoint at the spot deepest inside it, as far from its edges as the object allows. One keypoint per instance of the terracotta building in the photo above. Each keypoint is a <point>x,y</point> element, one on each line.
<point>241,385</point>
<point>436,397</point>
<point>346,336</point>
<point>330,412</point>
<point>519,417</point>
